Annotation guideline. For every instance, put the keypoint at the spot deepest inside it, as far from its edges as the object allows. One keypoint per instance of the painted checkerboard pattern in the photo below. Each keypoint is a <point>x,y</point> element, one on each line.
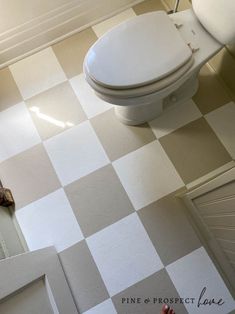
<point>104,193</point>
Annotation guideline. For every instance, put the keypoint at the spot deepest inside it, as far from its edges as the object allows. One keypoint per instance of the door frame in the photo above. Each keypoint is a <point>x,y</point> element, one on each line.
<point>18,272</point>
<point>203,232</point>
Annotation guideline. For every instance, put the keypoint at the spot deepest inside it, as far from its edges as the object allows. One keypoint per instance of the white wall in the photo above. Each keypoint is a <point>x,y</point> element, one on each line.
<point>28,25</point>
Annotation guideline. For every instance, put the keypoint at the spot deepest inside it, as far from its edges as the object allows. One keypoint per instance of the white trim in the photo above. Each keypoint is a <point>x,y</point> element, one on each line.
<point>3,246</point>
<point>214,183</point>
<point>202,230</point>
<point>38,20</point>
<point>210,176</point>
<point>18,229</point>
<point>19,272</point>
<point>50,295</point>
<point>55,25</point>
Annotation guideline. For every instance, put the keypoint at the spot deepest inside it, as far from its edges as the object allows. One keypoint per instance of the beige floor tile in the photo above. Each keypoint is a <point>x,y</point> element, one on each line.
<point>85,281</point>
<point>29,175</point>
<point>175,117</point>
<point>71,51</point>
<point>211,94</point>
<point>222,121</point>
<point>106,25</point>
<point>156,287</point>
<point>168,213</point>
<point>119,139</point>
<point>194,150</point>
<point>98,200</point>
<point>9,91</point>
<point>148,6</point>
<point>55,110</point>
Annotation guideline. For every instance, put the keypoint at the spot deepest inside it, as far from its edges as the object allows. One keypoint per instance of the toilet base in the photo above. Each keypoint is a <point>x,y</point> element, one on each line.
<point>139,114</point>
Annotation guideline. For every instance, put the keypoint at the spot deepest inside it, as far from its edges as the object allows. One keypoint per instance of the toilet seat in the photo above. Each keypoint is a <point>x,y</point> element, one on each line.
<point>149,49</point>
<point>142,90</point>
<point>137,104</point>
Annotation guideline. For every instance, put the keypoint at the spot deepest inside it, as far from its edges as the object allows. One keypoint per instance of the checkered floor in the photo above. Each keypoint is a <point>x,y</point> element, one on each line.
<point>104,193</point>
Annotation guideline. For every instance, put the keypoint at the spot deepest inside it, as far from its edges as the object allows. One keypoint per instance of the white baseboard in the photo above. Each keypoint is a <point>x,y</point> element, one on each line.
<point>55,25</point>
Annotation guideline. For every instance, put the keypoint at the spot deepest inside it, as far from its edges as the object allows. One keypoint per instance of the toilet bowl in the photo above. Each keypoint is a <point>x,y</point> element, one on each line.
<point>152,61</point>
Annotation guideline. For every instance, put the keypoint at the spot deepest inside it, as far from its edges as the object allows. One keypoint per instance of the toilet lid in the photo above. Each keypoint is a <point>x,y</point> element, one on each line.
<point>137,52</point>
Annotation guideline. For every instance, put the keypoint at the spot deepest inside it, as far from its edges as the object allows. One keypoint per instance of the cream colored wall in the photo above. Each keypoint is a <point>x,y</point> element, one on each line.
<point>224,62</point>
<point>224,65</point>
<point>29,25</point>
<point>183,5</point>
<point>17,12</point>
<point>232,50</point>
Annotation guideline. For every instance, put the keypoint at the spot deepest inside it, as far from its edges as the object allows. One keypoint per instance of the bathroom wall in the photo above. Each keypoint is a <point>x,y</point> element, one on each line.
<point>183,5</point>
<point>224,62</point>
<point>224,65</point>
<point>28,25</point>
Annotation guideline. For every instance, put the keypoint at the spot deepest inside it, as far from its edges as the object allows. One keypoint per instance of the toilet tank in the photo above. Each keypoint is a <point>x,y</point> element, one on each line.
<point>218,17</point>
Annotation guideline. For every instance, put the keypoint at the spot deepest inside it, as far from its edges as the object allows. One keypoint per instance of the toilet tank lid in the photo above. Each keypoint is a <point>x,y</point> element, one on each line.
<point>218,18</point>
<point>137,52</point>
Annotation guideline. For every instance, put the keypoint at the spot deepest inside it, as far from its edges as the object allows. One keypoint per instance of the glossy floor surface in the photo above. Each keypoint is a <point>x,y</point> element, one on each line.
<point>104,193</point>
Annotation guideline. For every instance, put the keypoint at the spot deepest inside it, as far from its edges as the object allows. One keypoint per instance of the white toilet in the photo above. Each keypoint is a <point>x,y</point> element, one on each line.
<point>152,61</point>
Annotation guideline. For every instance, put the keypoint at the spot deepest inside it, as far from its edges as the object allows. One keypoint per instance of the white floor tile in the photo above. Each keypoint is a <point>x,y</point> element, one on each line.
<point>175,117</point>
<point>37,73</point>
<point>106,25</point>
<point>76,153</point>
<point>191,274</point>
<point>91,104</point>
<point>147,174</point>
<point>105,307</point>
<point>49,221</point>
<point>222,121</point>
<point>124,254</point>
<point>17,130</point>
